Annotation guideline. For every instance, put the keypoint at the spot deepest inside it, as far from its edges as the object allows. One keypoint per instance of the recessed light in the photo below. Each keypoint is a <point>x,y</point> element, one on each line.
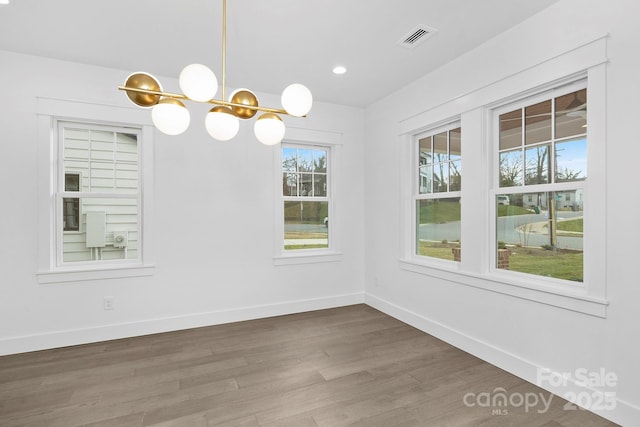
<point>4,2</point>
<point>339,70</point>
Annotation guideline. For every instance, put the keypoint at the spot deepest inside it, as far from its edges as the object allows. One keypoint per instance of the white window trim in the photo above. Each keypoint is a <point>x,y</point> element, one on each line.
<point>587,60</point>
<point>49,111</point>
<point>333,143</point>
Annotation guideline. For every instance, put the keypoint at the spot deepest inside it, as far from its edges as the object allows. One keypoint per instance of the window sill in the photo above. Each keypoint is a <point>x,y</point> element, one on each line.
<point>86,274</point>
<point>298,257</point>
<point>570,299</point>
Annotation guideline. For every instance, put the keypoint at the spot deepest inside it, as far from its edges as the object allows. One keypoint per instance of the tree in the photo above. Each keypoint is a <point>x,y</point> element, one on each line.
<point>510,170</point>
<point>538,167</point>
<point>568,175</point>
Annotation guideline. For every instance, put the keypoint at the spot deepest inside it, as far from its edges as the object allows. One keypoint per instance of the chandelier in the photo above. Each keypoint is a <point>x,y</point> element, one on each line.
<point>199,84</point>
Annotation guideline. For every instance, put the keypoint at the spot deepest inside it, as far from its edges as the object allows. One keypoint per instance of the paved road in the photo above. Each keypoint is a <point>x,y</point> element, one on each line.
<point>528,230</point>
<point>517,230</point>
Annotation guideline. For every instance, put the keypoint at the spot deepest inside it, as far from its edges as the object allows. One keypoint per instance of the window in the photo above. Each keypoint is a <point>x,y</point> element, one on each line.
<point>98,193</point>
<point>438,174</point>
<point>71,205</point>
<point>541,175</point>
<point>528,154</point>
<point>95,192</point>
<point>305,197</point>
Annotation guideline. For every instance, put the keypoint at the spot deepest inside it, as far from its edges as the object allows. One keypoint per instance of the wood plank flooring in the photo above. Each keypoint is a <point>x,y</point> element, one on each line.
<point>349,366</point>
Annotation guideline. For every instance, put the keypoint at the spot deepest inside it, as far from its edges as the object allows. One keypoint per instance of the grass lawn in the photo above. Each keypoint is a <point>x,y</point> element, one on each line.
<point>510,210</point>
<point>563,264</point>
<point>439,211</point>
<point>574,225</point>
<point>437,249</point>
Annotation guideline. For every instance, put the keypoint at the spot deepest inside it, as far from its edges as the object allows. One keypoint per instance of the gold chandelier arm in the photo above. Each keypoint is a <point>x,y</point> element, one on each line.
<point>211,101</point>
<point>153,92</point>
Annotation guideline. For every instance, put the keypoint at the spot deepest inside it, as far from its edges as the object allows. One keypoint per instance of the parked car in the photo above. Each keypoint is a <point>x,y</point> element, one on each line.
<point>503,200</point>
<point>326,221</point>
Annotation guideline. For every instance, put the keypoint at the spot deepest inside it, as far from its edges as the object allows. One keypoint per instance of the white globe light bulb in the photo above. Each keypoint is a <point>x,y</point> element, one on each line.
<point>297,100</point>
<point>170,116</point>
<point>269,129</point>
<point>222,124</point>
<point>198,82</point>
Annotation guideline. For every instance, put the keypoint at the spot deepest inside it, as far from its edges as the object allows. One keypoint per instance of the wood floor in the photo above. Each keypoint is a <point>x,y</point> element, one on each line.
<point>344,366</point>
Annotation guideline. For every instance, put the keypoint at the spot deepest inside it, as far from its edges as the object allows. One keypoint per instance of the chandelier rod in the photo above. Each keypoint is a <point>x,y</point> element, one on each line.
<point>211,101</point>
<point>224,47</point>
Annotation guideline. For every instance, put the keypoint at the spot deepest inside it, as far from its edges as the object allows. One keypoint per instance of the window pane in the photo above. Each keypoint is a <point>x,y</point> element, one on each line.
<point>511,129</point>
<point>76,144</point>
<point>438,228</point>
<point>101,220</point>
<point>102,145</point>
<point>289,184</point>
<point>425,179</point>
<point>306,225</point>
<point>102,176</point>
<point>319,185</point>
<point>571,114</point>
<point>541,233</point>
<point>440,177</point>
<point>305,160</point>
<point>305,185</point>
<point>71,206</point>
<point>440,151</point>
<point>455,171</point>
<point>571,160</point>
<point>424,155</point>
<point>289,159</point>
<point>538,164</point>
<point>511,168</point>
<point>76,150</point>
<point>538,123</point>
<point>70,214</point>
<point>126,148</point>
<point>71,182</point>
<point>320,161</point>
<point>126,178</point>
<point>455,144</point>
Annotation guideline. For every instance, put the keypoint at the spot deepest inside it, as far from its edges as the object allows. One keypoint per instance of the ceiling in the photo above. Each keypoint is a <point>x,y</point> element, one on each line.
<point>270,43</point>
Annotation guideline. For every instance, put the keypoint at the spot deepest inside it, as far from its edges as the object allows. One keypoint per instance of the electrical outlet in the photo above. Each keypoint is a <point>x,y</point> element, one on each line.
<point>108,303</point>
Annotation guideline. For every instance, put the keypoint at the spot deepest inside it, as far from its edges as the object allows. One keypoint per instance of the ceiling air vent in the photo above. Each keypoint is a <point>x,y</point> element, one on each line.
<point>416,36</point>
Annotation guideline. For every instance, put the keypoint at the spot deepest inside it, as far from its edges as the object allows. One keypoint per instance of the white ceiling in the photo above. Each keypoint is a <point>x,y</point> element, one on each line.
<point>270,43</point>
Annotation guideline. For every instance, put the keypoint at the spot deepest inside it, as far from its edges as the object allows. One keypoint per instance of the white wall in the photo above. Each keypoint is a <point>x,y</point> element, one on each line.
<point>213,222</point>
<point>517,334</point>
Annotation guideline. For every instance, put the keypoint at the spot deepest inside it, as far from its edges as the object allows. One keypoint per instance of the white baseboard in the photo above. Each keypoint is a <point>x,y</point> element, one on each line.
<point>621,412</point>
<point>66,338</point>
